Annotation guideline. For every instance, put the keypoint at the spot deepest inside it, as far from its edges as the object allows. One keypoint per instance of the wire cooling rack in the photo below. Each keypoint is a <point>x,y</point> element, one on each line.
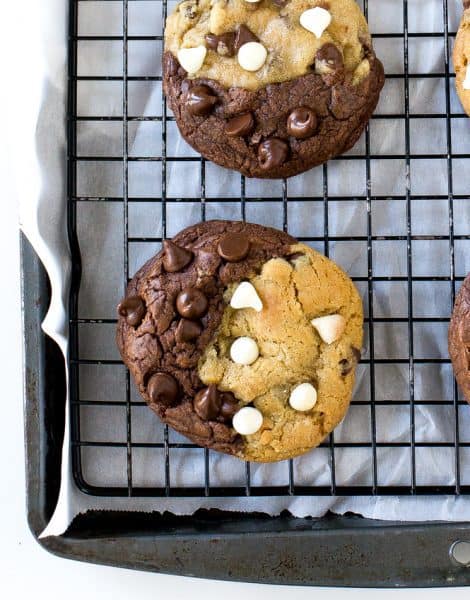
<point>402,204</point>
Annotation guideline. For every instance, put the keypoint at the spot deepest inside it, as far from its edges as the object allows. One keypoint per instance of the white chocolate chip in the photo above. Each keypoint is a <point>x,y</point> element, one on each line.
<point>315,20</point>
<point>330,328</point>
<point>253,1</point>
<point>466,81</point>
<point>245,296</point>
<point>244,351</point>
<point>303,397</point>
<point>192,59</point>
<point>247,420</point>
<point>252,56</point>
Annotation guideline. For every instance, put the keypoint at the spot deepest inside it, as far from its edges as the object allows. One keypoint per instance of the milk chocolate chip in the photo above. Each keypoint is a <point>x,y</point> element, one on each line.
<point>302,123</point>
<point>175,258</point>
<point>242,36</point>
<point>229,406</point>
<point>207,403</point>
<point>272,153</point>
<point>171,64</point>
<point>348,364</point>
<point>356,353</point>
<point>295,256</point>
<point>187,330</point>
<point>223,44</point>
<point>240,125</point>
<point>200,100</point>
<point>133,310</point>
<point>163,389</point>
<point>234,247</point>
<point>328,59</point>
<point>212,41</point>
<point>191,303</point>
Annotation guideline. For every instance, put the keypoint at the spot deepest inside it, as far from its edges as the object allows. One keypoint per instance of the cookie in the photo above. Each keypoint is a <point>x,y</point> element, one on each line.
<point>270,88</point>
<point>459,338</point>
<point>461,58</point>
<point>243,339</point>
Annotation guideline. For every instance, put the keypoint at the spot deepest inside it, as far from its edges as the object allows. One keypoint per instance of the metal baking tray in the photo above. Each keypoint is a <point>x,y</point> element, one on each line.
<point>341,551</point>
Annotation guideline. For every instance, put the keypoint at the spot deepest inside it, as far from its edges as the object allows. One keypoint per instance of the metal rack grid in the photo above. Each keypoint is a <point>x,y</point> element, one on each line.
<point>129,441</point>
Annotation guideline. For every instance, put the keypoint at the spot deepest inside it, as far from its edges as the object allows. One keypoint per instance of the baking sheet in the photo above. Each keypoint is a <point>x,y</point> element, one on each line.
<point>100,227</point>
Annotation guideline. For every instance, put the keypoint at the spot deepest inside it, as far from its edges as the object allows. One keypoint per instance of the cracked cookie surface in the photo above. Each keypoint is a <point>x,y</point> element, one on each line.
<point>184,365</point>
<point>308,102</point>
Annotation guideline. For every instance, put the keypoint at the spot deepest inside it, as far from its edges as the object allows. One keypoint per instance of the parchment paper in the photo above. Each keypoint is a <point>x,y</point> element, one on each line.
<point>100,227</point>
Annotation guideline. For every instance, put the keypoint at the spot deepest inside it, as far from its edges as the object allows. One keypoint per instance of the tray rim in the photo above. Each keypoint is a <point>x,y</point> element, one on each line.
<point>281,550</point>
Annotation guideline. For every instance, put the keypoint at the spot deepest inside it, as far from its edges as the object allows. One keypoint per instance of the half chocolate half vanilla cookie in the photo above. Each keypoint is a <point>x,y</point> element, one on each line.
<point>270,88</point>
<point>243,339</point>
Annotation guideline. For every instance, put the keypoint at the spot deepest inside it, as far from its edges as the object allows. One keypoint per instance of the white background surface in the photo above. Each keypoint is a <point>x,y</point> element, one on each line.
<point>27,570</point>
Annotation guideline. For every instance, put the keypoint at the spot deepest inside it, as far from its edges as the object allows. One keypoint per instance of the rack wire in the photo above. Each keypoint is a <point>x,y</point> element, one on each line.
<point>388,219</point>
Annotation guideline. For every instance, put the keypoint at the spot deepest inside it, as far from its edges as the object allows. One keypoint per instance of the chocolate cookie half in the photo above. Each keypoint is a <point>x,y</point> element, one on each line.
<point>459,338</point>
<point>243,339</point>
<point>270,88</point>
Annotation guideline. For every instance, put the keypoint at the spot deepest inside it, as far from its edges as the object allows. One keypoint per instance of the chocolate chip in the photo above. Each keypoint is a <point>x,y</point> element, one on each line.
<point>348,364</point>
<point>280,3</point>
<point>223,44</point>
<point>229,406</point>
<point>242,36</point>
<point>302,123</point>
<point>212,41</point>
<point>187,330</point>
<point>295,256</point>
<point>175,258</point>
<point>163,389</point>
<point>226,46</point>
<point>272,153</point>
<point>234,247</point>
<point>356,353</point>
<point>133,310</point>
<point>191,303</point>
<point>328,59</point>
<point>240,125</point>
<point>171,64</point>
<point>207,403</point>
<point>200,100</point>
